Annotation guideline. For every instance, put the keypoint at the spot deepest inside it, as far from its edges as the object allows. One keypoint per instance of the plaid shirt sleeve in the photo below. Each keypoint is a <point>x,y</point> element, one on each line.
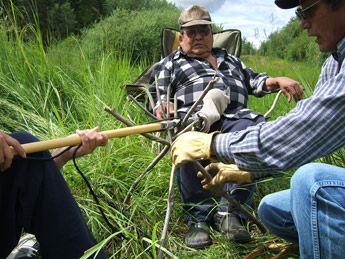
<point>314,129</point>
<point>161,76</point>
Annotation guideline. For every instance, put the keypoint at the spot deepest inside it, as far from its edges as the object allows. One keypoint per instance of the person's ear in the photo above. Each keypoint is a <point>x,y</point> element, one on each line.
<point>180,37</point>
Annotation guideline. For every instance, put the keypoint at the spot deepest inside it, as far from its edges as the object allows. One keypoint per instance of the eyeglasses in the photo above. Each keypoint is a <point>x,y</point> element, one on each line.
<point>302,13</point>
<point>203,30</point>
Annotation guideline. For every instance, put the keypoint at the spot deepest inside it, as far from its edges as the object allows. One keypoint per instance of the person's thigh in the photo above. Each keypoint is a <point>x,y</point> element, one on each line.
<point>231,125</point>
<point>318,210</point>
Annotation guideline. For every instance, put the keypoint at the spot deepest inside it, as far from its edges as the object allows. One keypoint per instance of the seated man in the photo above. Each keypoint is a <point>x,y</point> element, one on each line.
<point>188,71</point>
<point>34,197</point>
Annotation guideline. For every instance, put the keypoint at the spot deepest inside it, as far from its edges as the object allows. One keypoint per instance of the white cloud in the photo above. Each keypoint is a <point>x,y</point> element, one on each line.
<point>209,4</point>
<point>255,18</point>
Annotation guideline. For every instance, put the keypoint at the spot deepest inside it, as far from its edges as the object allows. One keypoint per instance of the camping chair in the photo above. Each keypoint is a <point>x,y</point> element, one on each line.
<point>229,39</point>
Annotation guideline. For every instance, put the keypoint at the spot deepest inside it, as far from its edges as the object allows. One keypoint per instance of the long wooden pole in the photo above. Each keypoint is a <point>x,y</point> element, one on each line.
<point>76,140</point>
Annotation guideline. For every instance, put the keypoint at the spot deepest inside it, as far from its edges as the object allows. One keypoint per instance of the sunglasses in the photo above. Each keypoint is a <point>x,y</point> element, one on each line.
<point>302,13</point>
<point>203,30</point>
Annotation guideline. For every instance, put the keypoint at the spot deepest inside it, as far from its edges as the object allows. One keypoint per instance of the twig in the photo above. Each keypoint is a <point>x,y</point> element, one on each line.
<point>273,105</point>
<point>142,107</point>
<point>128,123</point>
<point>170,205</point>
<point>153,163</point>
<point>195,105</point>
<point>159,99</point>
<point>171,195</point>
<point>231,200</point>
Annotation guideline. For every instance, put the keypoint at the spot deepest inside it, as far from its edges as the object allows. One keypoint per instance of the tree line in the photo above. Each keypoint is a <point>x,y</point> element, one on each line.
<point>293,44</point>
<point>57,19</point>
<point>135,26</point>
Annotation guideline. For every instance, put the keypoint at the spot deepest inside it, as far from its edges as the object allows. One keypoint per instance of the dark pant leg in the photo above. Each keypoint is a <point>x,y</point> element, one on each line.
<point>197,202</point>
<point>240,192</point>
<point>35,196</point>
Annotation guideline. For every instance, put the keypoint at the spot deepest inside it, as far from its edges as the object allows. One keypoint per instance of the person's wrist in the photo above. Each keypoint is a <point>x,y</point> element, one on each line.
<point>212,153</point>
<point>62,159</point>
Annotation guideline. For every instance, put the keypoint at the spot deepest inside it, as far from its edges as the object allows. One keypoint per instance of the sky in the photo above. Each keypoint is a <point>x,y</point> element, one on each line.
<point>255,18</point>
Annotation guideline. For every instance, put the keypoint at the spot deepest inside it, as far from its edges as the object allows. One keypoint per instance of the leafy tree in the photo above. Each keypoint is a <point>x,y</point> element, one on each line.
<point>56,18</point>
<point>293,44</point>
<point>247,47</point>
<point>62,20</point>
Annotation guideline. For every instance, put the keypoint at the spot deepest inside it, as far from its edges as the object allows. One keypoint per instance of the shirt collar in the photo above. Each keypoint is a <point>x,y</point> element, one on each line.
<point>216,52</point>
<point>340,54</point>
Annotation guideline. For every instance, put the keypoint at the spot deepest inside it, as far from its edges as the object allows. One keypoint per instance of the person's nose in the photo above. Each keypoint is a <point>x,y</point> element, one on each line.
<point>198,35</point>
<point>304,24</point>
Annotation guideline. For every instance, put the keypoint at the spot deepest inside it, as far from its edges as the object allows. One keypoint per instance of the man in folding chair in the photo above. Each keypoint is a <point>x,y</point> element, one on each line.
<point>188,71</point>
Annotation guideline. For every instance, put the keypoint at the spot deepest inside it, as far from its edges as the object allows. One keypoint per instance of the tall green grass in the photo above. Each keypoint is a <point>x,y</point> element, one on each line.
<point>52,92</point>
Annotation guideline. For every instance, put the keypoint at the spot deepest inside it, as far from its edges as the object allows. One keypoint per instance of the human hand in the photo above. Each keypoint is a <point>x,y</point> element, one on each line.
<point>6,154</point>
<point>288,87</point>
<point>90,139</point>
<point>192,146</point>
<point>159,112</point>
<point>224,173</point>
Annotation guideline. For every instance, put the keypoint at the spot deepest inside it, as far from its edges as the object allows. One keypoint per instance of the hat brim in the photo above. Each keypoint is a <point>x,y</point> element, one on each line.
<point>196,22</point>
<point>287,4</point>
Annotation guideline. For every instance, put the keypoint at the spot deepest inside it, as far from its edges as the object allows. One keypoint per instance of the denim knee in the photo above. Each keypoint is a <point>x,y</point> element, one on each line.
<point>307,175</point>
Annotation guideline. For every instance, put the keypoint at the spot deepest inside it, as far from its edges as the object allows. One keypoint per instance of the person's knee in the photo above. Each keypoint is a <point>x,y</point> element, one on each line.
<point>265,207</point>
<point>306,176</point>
<point>24,137</point>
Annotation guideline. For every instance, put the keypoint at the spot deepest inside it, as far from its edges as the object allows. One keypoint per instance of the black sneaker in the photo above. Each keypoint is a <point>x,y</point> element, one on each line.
<point>27,247</point>
<point>230,226</point>
<point>198,235</point>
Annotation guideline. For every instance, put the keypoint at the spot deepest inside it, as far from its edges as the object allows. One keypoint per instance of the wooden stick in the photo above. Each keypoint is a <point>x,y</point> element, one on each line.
<point>130,124</point>
<point>170,205</point>
<point>153,163</point>
<point>231,200</point>
<point>76,140</point>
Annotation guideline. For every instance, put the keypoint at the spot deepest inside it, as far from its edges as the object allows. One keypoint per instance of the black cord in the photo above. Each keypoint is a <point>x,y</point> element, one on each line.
<point>46,158</point>
<point>113,228</point>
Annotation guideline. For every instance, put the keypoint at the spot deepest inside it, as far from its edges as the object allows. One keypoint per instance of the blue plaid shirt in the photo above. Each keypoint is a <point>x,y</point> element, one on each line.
<point>314,129</point>
<point>189,76</point>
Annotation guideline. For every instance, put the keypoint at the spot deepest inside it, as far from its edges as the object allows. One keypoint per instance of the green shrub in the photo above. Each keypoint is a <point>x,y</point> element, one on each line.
<point>134,32</point>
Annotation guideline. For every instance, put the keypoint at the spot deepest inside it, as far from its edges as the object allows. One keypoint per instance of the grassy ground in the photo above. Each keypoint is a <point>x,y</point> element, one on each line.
<point>52,92</point>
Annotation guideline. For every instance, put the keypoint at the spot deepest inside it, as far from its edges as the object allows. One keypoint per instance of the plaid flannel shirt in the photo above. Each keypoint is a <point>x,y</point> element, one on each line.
<point>189,76</point>
<point>314,129</point>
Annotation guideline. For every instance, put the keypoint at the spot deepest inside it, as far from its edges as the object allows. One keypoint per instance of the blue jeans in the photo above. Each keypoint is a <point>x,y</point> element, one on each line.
<point>312,213</point>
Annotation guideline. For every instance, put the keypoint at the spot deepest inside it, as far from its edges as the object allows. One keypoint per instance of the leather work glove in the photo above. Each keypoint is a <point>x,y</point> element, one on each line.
<point>224,173</point>
<point>191,146</point>
<point>215,103</point>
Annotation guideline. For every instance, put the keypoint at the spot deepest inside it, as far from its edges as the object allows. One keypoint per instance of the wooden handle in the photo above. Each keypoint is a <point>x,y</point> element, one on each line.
<point>76,140</point>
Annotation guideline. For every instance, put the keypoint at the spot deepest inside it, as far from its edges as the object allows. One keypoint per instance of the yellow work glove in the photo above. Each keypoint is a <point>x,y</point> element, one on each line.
<point>192,146</point>
<point>224,173</point>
